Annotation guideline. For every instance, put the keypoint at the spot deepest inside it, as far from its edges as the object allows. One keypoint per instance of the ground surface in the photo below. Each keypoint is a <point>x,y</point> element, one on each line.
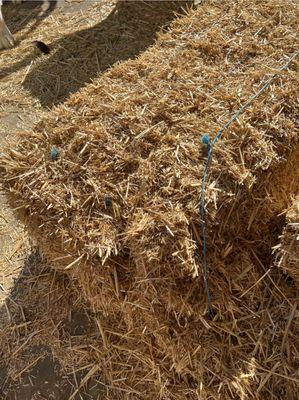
<point>44,332</point>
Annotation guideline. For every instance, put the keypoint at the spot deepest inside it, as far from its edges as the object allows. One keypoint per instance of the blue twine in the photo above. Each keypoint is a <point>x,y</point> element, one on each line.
<point>108,201</point>
<point>54,153</point>
<point>206,140</point>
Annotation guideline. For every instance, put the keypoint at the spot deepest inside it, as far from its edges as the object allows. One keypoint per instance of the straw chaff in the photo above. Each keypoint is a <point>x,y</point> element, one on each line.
<point>118,208</point>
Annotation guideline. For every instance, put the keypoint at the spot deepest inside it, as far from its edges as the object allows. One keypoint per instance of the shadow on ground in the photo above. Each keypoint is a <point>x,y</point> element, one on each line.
<point>77,58</point>
<point>35,10</point>
<point>43,316</point>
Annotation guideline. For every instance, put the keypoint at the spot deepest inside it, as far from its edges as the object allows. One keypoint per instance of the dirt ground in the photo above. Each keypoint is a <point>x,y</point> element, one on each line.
<point>45,329</point>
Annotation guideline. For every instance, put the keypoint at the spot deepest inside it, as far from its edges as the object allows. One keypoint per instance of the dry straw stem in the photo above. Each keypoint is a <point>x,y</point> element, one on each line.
<point>134,135</point>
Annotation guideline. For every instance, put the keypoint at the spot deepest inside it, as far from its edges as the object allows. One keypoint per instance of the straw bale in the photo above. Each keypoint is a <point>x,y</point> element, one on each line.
<point>134,134</point>
<point>118,208</point>
<point>288,257</point>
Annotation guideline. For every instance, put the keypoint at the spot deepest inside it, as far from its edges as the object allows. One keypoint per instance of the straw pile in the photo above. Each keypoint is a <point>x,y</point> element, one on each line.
<point>117,208</point>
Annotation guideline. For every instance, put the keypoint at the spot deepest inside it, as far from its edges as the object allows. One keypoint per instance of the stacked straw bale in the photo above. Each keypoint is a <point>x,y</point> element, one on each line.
<point>118,208</point>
